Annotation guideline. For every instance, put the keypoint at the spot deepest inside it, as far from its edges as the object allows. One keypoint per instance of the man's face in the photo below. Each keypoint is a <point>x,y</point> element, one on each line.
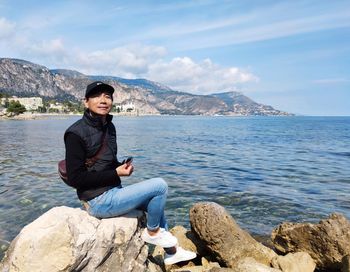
<point>99,103</point>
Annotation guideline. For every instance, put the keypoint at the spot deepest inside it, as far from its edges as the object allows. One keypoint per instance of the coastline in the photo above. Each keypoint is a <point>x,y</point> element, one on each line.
<point>38,116</point>
<point>27,116</point>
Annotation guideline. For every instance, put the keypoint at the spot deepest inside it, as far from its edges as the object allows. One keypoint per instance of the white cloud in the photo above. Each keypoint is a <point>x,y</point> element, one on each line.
<point>46,52</point>
<point>180,73</point>
<point>125,61</point>
<point>7,28</point>
<point>129,61</point>
<point>53,46</point>
<point>22,41</point>
<point>204,77</point>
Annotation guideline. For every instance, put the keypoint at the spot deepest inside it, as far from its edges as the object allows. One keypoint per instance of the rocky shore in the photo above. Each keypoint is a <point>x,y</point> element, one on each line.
<point>67,239</point>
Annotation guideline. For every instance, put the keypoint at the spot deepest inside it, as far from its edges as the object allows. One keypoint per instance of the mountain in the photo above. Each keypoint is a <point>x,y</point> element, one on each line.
<point>23,78</point>
<point>140,83</point>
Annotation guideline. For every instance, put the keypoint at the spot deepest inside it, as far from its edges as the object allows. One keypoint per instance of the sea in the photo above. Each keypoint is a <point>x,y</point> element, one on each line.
<point>263,170</point>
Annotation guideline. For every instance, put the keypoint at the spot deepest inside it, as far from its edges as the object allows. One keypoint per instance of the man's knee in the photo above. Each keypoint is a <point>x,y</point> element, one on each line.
<point>160,184</point>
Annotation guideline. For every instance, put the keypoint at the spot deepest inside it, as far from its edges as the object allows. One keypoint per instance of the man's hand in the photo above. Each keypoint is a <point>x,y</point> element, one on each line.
<point>125,169</point>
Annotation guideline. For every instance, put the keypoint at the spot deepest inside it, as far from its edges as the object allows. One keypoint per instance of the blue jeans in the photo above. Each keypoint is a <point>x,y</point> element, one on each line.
<point>149,195</point>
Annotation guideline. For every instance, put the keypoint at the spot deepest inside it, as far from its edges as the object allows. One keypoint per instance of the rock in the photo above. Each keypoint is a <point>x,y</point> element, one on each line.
<point>190,241</point>
<point>185,238</point>
<point>208,265</point>
<point>250,265</point>
<point>205,267</point>
<point>3,247</point>
<point>264,239</point>
<point>190,269</point>
<point>327,242</point>
<point>224,238</point>
<point>345,264</point>
<point>221,269</point>
<point>157,257</point>
<point>185,241</point>
<point>67,239</point>
<point>245,265</point>
<point>10,114</point>
<point>294,262</point>
<point>153,267</point>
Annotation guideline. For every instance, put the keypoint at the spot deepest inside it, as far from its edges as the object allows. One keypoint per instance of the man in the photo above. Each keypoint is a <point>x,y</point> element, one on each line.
<point>98,183</point>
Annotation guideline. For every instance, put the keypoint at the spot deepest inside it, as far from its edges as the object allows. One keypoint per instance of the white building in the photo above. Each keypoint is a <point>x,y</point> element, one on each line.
<point>128,107</point>
<point>56,106</point>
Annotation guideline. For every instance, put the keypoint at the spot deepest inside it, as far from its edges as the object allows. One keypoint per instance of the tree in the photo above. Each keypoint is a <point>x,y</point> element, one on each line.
<point>53,110</point>
<point>7,102</point>
<point>16,107</point>
<point>42,109</point>
<point>4,95</point>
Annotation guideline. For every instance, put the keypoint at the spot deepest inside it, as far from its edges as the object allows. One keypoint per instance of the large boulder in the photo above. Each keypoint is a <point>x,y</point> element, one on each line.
<point>68,239</point>
<point>327,242</point>
<point>224,238</point>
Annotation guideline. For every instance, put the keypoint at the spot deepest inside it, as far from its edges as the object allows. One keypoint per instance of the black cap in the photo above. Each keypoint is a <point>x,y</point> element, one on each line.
<point>96,87</point>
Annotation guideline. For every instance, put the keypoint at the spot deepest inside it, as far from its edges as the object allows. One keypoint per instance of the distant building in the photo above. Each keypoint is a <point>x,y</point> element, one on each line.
<point>128,107</point>
<point>57,106</point>
<point>30,103</point>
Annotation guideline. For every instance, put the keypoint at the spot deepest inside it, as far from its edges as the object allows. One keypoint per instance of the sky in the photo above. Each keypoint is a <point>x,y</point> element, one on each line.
<point>292,55</point>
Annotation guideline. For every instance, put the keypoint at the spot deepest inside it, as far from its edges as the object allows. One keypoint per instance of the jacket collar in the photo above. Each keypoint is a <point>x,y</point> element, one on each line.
<point>96,121</point>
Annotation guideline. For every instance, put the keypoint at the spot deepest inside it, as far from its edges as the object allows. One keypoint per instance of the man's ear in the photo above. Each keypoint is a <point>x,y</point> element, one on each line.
<point>86,102</point>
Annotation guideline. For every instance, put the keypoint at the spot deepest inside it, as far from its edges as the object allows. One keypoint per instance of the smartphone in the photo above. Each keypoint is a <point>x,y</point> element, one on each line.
<point>128,161</point>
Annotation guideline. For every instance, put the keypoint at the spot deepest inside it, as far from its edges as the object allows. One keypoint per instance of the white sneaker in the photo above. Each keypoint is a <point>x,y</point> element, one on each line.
<point>163,238</point>
<point>180,256</point>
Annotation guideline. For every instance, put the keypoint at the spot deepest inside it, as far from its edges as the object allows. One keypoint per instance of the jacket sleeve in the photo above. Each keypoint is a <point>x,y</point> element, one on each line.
<point>118,163</point>
<point>77,172</point>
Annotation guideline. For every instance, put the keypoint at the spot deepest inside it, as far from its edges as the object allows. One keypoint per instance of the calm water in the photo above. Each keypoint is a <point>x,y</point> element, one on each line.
<point>264,170</point>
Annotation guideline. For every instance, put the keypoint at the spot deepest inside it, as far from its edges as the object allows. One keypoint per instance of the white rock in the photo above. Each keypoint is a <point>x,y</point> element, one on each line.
<point>67,239</point>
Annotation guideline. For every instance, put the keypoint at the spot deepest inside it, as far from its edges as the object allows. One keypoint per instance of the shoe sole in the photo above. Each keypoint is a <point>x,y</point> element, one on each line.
<point>179,261</point>
<point>163,245</point>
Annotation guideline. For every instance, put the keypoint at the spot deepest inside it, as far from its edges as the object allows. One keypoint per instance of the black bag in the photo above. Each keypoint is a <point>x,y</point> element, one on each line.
<point>62,168</point>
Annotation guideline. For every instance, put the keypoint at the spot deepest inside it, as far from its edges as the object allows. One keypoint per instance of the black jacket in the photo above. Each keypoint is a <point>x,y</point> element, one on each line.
<point>82,141</point>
